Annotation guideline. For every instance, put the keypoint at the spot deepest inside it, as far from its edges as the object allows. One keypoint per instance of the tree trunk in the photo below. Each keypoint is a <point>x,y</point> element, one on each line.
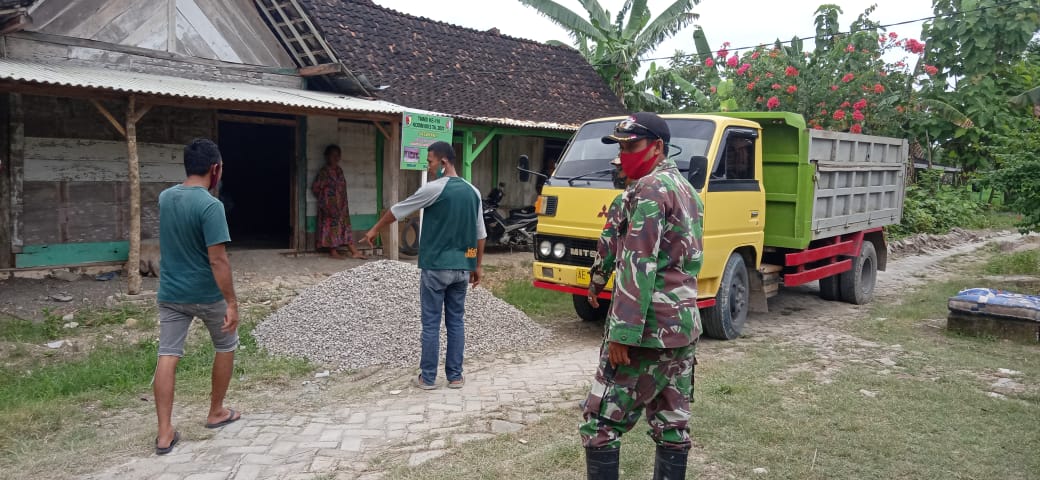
<point>133,264</point>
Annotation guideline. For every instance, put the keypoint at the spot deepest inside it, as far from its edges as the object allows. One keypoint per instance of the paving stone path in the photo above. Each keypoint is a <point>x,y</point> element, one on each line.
<point>354,440</point>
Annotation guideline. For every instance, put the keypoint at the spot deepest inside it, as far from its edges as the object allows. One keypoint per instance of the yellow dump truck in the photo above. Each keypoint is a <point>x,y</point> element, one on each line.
<point>783,205</point>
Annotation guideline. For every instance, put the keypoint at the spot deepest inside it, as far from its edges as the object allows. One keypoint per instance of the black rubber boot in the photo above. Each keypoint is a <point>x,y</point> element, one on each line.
<point>670,464</point>
<point>602,463</point>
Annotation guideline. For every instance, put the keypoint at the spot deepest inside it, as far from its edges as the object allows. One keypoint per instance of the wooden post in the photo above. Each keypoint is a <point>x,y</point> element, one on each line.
<point>133,264</point>
<point>6,257</point>
<point>391,190</point>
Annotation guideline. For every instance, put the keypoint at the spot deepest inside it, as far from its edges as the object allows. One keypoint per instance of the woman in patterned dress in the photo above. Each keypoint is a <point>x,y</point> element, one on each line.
<point>330,188</point>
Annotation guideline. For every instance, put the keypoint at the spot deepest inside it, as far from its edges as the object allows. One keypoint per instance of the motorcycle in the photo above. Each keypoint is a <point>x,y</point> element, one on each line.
<point>516,230</point>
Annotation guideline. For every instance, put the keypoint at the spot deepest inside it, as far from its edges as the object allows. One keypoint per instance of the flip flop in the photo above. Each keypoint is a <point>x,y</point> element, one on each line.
<point>231,419</point>
<point>173,443</point>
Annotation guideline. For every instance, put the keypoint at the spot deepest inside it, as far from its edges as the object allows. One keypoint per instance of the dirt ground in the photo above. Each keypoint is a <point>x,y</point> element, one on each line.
<point>260,276</point>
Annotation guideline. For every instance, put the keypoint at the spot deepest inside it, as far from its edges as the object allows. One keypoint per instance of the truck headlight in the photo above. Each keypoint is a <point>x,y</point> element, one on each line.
<point>545,248</point>
<point>559,250</point>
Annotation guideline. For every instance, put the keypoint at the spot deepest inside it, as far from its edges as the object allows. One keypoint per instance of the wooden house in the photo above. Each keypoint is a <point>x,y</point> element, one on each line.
<point>99,97</point>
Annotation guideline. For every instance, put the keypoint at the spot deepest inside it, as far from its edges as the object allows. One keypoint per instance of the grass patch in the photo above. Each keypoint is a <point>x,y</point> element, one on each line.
<point>1018,263</point>
<point>995,220</point>
<point>47,405</point>
<point>535,302</point>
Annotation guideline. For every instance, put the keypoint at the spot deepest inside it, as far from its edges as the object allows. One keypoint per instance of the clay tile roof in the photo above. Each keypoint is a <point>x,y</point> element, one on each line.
<point>464,72</point>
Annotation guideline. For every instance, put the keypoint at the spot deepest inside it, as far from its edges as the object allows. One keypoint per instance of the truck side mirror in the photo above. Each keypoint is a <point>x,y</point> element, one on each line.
<point>698,171</point>
<point>523,164</point>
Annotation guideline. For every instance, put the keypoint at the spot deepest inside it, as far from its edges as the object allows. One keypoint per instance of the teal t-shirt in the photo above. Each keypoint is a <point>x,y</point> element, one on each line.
<point>190,221</point>
<point>452,223</point>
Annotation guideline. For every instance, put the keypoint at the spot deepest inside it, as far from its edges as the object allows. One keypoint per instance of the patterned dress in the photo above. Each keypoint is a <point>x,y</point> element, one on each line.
<point>330,188</point>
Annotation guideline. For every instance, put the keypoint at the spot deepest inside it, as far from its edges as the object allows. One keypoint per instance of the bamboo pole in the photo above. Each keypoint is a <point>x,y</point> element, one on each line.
<point>133,264</point>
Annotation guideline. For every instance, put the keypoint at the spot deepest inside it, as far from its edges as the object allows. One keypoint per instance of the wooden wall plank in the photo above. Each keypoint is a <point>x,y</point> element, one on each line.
<point>78,160</point>
<point>72,254</point>
<point>209,33</point>
<point>50,49</point>
<point>17,165</point>
<point>190,42</point>
<point>245,30</point>
<point>92,25</point>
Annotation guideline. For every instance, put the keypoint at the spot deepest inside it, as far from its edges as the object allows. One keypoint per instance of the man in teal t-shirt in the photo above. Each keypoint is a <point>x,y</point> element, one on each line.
<point>196,283</point>
<point>451,250</point>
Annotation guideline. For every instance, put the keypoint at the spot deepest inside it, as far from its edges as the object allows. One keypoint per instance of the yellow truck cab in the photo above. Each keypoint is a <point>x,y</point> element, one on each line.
<point>783,205</point>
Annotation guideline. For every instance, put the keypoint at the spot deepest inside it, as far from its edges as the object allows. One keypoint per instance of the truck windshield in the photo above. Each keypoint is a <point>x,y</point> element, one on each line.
<point>586,153</point>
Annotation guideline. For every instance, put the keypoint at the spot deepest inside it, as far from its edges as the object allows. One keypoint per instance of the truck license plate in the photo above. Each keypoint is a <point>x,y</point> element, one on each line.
<point>583,277</point>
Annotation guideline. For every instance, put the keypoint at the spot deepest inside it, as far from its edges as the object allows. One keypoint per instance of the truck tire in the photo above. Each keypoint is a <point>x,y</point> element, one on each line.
<point>857,284</point>
<point>726,319</point>
<point>830,288</point>
<point>586,312</point>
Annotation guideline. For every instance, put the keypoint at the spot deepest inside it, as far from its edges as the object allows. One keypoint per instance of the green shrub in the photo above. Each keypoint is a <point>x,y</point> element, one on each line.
<point>932,207</point>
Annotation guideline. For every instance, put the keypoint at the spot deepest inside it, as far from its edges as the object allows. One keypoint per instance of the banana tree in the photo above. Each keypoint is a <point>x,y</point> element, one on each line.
<point>615,45</point>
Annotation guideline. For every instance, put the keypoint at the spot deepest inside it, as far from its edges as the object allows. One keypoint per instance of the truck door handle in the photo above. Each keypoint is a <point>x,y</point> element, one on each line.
<point>754,214</point>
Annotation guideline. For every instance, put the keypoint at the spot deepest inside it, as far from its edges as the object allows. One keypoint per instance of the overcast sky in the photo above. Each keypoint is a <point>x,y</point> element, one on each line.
<point>743,23</point>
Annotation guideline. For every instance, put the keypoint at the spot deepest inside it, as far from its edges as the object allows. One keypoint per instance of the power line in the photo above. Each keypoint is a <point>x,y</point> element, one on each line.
<point>737,49</point>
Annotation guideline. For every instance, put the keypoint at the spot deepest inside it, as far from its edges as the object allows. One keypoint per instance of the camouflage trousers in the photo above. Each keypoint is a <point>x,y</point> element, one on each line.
<point>657,380</point>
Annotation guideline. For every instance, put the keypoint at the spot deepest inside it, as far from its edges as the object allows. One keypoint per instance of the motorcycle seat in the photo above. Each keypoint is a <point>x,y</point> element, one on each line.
<point>523,216</point>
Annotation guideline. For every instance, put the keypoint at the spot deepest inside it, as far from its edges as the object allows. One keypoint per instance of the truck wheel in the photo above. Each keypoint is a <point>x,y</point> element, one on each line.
<point>586,312</point>
<point>830,288</point>
<point>726,319</point>
<point>857,284</point>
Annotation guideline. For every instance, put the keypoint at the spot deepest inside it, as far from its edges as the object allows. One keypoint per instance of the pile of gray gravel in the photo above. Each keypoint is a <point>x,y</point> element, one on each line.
<point>370,315</point>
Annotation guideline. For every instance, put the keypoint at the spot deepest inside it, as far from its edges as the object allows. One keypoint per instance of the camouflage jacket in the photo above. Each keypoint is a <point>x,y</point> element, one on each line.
<point>655,281</point>
<point>607,247</point>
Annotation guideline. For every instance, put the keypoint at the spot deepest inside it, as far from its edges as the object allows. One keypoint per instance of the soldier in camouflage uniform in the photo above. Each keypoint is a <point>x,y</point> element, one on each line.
<point>647,359</point>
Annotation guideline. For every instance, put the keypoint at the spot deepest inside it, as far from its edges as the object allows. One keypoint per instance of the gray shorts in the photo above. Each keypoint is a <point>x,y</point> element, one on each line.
<point>175,318</point>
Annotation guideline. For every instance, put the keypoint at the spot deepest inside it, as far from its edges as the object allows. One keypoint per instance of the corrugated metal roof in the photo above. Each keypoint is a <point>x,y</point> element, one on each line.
<point>143,83</point>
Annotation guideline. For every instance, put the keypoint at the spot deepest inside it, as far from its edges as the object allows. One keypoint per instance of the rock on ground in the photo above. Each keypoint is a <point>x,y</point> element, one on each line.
<point>370,315</point>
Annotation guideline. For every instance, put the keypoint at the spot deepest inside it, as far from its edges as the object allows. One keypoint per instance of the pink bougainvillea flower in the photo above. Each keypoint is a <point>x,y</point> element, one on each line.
<point>848,78</point>
<point>930,69</point>
<point>860,105</point>
<point>743,69</point>
<point>817,127</point>
<point>839,114</point>
<point>751,86</point>
<point>713,89</point>
<point>845,104</point>
<point>726,44</point>
<point>823,112</point>
<point>709,62</point>
<point>857,115</point>
<point>773,103</point>
<point>775,86</point>
<point>900,64</point>
<point>900,109</point>
<point>791,71</point>
<point>722,53</point>
<point>856,128</point>
<point>733,61</point>
<point>851,48</point>
<point>879,88</point>
<point>834,88</point>
<point>792,88</point>
<point>881,39</point>
<point>914,46</point>
<point>755,55</point>
<point>769,74</point>
<point>893,35</point>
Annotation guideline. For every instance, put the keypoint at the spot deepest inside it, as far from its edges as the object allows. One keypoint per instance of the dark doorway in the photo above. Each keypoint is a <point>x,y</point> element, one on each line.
<point>257,183</point>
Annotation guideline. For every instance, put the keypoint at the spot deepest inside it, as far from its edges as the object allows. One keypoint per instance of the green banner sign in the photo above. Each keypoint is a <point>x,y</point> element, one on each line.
<point>418,131</point>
